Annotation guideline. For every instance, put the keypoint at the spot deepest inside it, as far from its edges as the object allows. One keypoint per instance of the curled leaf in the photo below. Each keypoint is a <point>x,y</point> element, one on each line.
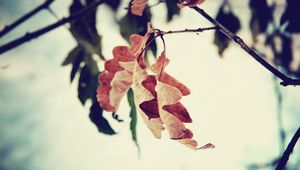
<point>171,111</point>
<point>117,78</point>
<point>138,6</point>
<point>145,97</point>
<point>115,82</point>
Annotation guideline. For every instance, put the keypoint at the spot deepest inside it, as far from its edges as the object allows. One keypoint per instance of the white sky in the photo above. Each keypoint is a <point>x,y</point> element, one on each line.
<point>232,103</point>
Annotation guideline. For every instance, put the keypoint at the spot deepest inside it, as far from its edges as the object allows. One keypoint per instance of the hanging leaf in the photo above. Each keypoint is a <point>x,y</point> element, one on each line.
<point>84,29</point>
<point>137,7</point>
<point>172,113</point>
<point>76,64</point>
<point>286,53</point>
<point>73,54</point>
<point>230,21</point>
<point>96,116</point>
<point>133,116</point>
<point>172,9</point>
<point>260,18</point>
<point>81,57</point>
<point>157,97</point>
<point>289,19</point>
<point>117,78</point>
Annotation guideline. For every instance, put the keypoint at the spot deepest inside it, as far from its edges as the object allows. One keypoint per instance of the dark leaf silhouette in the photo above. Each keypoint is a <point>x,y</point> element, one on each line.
<point>261,16</point>
<point>290,18</point>
<point>229,20</point>
<point>88,43</point>
<point>96,116</point>
<point>172,9</point>
<point>286,53</point>
<point>76,64</point>
<point>84,29</point>
<point>73,54</point>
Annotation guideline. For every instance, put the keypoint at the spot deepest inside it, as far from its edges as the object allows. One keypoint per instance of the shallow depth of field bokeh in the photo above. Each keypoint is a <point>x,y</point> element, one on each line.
<point>233,102</point>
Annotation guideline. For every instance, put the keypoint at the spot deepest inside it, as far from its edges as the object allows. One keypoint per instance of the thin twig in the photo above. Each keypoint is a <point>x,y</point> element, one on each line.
<point>286,81</point>
<point>159,33</point>
<point>29,36</point>
<point>285,157</point>
<point>25,17</point>
<point>197,30</point>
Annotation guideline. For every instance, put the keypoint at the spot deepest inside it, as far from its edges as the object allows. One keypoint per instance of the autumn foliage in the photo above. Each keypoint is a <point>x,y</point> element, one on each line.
<point>156,94</point>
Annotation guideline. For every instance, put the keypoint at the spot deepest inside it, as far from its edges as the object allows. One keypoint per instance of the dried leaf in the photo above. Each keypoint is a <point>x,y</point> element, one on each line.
<point>117,79</point>
<point>138,6</point>
<point>145,98</point>
<point>171,111</point>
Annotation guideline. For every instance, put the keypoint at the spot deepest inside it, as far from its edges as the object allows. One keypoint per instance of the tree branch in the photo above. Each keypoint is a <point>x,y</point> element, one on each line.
<point>29,36</point>
<point>285,157</point>
<point>286,81</point>
<point>197,30</point>
<point>25,17</point>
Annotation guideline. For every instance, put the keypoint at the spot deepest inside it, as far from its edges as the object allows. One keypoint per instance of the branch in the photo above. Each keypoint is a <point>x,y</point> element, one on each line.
<point>197,30</point>
<point>29,36</point>
<point>159,33</point>
<point>25,17</point>
<point>285,157</point>
<point>286,81</point>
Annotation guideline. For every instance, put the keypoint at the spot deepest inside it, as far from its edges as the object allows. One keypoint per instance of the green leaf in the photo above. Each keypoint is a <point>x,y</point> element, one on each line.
<point>172,9</point>
<point>133,116</point>
<point>76,65</point>
<point>87,84</point>
<point>84,29</point>
<point>96,116</point>
<point>73,54</point>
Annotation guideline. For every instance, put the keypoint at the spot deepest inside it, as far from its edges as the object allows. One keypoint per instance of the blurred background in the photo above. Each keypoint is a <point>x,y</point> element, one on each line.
<point>50,119</point>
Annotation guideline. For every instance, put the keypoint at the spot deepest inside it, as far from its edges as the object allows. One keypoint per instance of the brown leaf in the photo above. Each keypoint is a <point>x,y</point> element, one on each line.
<point>138,6</point>
<point>118,75</point>
<point>145,97</point>
<point>171,111</point>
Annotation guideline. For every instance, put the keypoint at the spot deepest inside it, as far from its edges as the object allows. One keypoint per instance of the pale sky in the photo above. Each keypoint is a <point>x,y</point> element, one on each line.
<point>43,126</point>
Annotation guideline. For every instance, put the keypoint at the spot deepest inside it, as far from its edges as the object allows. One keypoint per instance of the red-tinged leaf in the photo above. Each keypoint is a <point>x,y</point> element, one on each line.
<point>145,98</point>
<point>171,111</point>
<point>138,6</point>
<point>179,111</point>
<point>164,77</point>
<point>118,75</point>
